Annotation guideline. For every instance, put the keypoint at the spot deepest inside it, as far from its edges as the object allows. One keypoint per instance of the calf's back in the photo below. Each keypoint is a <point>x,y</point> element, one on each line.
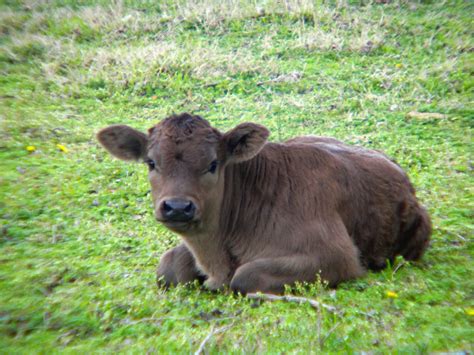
<point>269,198</point>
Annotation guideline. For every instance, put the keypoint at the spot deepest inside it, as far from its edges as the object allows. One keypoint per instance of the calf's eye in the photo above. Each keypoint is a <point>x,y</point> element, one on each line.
<point>213,167</point>
<point>150,163</point>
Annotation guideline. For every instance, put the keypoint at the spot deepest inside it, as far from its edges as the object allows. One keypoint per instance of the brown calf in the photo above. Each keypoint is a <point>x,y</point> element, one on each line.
<point>257,215</point>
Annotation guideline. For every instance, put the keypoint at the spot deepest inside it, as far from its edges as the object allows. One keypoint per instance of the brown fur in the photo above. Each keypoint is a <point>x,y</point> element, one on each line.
<point>274,213</point>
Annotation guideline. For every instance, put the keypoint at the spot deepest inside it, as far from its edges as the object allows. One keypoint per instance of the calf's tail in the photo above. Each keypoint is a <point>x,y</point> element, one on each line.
<point>415,234</point>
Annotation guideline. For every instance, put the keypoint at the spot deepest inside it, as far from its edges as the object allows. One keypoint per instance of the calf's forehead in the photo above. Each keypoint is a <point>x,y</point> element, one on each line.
<point>184,137</point>
<point>192,150</point>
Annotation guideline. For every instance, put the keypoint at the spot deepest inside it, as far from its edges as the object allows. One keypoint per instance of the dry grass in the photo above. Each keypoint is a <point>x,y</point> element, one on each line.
<point>212,13</point>
<point>138,64</point>
<point>333,29</point>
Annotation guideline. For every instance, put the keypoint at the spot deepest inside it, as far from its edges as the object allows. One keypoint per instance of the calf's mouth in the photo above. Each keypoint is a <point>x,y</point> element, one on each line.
<point>180,226</point>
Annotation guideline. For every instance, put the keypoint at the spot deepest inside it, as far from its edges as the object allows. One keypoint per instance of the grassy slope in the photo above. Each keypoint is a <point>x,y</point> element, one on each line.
<point>78,241</point>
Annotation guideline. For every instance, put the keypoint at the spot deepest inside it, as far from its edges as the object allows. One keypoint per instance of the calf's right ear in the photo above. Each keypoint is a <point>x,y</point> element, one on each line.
<point>124,142</point>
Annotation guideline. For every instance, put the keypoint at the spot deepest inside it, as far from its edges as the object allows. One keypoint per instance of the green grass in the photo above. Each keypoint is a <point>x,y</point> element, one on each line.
<point>79,244</point>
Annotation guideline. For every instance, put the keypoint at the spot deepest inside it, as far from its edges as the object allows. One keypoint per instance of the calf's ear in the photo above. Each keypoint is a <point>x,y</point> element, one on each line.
<point>124,142</point>
<point>245,141</point>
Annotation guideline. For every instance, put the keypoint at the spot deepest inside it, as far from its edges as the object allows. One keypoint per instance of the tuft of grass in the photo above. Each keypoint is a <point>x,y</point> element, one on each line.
<point>78,241</point>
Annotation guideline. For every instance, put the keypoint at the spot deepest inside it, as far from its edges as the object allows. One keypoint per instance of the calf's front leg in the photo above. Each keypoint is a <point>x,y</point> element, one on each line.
<point>331,253</point>
<point>271,275</point>
<point>177,265</point>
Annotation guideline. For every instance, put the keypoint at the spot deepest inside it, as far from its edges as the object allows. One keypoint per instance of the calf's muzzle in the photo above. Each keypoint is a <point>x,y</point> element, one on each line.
<point>177,210</point>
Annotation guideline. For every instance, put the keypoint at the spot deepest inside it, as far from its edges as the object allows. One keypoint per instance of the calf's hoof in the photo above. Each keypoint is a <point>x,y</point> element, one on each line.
<point>214,284</point>
<point>165,280</point>
<point>248,283</point>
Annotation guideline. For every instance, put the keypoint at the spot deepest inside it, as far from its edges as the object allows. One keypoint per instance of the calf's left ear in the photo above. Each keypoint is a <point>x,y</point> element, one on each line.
<point>124,142</point>
<point>245,141</point>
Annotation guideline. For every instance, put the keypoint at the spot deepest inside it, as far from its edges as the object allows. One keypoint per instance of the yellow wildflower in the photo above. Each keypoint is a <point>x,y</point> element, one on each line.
<point>391,294</point>
<point>470,311</point>
<point>398,65</point>
<point>30,148</point>
<point>62,148</point>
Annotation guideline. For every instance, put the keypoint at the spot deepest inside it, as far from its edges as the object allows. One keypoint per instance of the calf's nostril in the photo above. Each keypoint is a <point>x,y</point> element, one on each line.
<point>189,207</point>
<point>166,207</point>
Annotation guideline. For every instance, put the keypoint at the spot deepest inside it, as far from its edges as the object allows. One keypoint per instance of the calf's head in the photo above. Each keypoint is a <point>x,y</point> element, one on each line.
<point>186,158</point>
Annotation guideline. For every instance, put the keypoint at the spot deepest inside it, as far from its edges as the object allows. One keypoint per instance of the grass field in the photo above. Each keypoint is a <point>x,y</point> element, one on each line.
<point>78,241</point>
